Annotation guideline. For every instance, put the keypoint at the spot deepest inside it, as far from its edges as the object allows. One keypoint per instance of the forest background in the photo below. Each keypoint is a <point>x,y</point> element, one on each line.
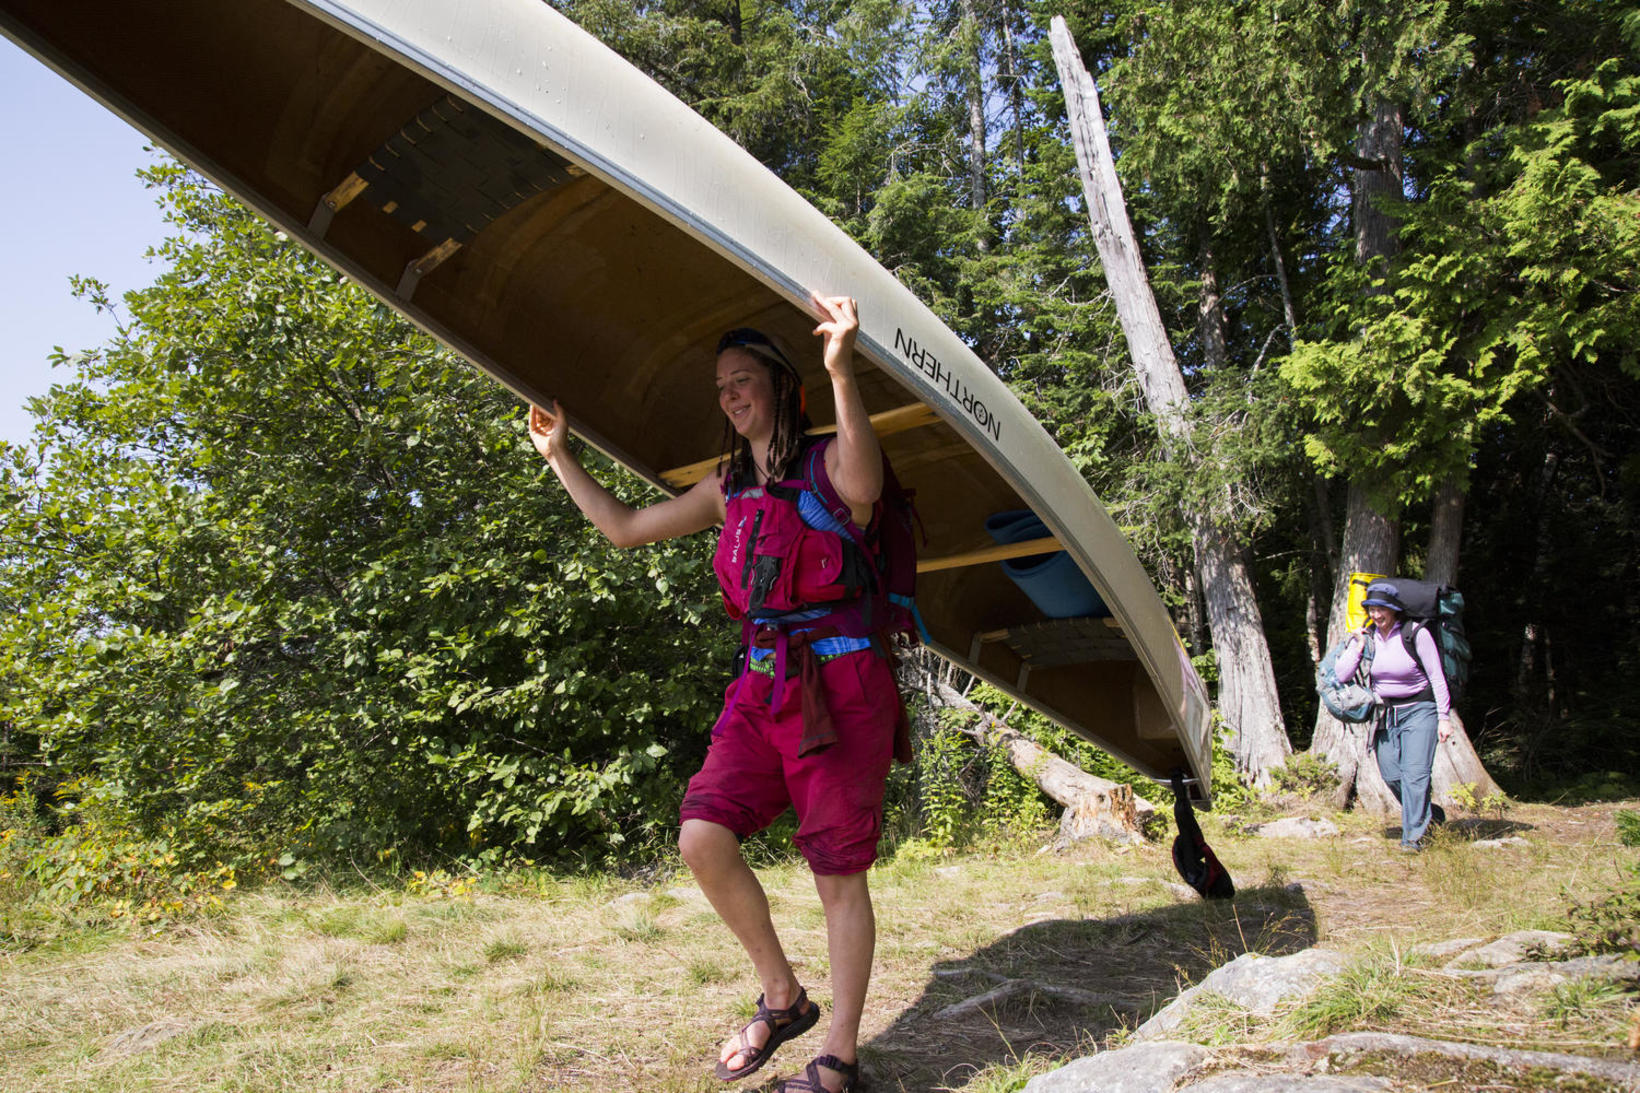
<point>284,584</point>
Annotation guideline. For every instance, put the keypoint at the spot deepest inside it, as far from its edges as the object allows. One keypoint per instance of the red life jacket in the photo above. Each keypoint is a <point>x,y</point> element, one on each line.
<point>792,585</point>
<point>771,565</point>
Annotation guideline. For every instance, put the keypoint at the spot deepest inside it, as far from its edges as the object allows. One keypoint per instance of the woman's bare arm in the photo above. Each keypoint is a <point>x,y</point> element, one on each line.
<point>696,509</point>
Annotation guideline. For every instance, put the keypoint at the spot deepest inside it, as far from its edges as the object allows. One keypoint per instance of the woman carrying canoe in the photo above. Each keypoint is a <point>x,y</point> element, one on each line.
<point>814,721</point>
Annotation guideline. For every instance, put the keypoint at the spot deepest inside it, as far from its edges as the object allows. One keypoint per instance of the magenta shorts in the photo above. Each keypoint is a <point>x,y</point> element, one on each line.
<point>752,769</point>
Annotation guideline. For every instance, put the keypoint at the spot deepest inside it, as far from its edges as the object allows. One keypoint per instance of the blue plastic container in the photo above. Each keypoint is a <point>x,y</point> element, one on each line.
<point>1052,581</point>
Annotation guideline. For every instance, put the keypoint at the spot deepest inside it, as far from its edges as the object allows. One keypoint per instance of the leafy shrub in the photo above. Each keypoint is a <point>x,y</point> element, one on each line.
<point>1305,774</point>
<point>1463,796</point>
<point>1628,827</point>
<point>1610,924</point>
<point>946,811</point>
<point>333,602</point>
<point>95,866</point>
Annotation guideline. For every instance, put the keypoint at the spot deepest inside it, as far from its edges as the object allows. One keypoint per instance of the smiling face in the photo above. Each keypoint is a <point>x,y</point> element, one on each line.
<point>746,394</point>
<point>1382,617</point>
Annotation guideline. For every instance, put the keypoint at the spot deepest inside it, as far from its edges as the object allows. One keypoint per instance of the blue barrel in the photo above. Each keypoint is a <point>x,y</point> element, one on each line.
<point>1052,581</point>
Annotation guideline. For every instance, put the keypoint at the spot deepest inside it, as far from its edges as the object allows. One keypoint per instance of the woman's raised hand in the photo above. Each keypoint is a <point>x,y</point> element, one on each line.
<point>839,324</point>
<point>549,431</point>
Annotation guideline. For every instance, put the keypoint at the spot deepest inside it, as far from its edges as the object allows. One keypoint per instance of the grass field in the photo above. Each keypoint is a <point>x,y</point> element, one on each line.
<point>531,982</point>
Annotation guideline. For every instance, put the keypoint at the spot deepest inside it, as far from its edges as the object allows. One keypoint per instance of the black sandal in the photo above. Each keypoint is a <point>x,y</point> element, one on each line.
<point>810,1081</point>
<point>784,1024</point>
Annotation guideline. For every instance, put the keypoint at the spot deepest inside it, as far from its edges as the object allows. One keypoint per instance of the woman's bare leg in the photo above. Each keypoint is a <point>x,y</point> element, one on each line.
<point>713,855</point>
<point>851,939</point>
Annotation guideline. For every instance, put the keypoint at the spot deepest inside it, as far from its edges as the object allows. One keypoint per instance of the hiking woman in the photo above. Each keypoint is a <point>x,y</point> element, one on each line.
<point>1414,706</point>
<point>822,742</point>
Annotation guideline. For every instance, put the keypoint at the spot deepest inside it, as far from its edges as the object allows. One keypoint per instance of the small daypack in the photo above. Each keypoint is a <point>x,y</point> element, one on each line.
<point>1350,701</point>
<point>1439,608</point>
<point>890,542</point>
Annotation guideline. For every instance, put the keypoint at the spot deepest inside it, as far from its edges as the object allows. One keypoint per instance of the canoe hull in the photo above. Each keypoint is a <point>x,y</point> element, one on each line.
<point>625,233</point>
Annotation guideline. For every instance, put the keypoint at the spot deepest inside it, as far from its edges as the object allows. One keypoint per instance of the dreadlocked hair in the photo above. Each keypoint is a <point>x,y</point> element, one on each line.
<point>790,425</point>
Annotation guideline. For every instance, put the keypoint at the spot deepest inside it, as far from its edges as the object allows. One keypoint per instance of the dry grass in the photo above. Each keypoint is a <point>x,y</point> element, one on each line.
<point>539,984</point>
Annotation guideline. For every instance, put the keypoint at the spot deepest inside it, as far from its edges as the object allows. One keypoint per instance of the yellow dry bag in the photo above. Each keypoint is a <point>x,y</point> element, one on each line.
<point>1355,615</point>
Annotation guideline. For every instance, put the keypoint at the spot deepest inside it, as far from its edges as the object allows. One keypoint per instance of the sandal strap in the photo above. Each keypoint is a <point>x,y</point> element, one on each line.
<point>775,1019</point>
<point>849,1071</point>
<point>787,1015</point>
<point>810,1081</point>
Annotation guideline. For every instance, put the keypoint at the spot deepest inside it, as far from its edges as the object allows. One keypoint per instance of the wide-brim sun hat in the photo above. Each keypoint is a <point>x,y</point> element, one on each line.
<point>1383,594</point>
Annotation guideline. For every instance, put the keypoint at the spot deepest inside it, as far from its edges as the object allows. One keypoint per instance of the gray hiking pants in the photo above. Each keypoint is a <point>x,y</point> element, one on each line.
<point>1404,745</point>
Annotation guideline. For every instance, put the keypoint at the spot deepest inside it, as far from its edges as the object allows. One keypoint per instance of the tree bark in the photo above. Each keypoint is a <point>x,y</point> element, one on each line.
<point>1323,566</point>
<point>1378,189</point>
<point>1289,311</point>
<point>1445,532</point>
<point>1456,761</point>
<point>1372,541</point>
<point>1248,700</point>
<point>1016,84</point>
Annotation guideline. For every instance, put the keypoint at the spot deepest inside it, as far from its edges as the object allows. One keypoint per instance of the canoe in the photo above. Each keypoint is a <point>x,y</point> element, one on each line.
<point>533,201</point>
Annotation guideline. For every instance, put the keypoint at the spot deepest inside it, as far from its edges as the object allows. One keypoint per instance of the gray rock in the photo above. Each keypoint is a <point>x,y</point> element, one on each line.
<point>1446,950</point>
<point>1288,1083</point>
<point>686,895</point>
<point>1607,966</point>
<point>1529,979</point>
<point>631,899</point>
<point>1538,978</point>
<point>1511,949</point>
<point>1493,844</point>
<point>1253,982</point>
<point>1296,827</point>
<point>1138,1068</point>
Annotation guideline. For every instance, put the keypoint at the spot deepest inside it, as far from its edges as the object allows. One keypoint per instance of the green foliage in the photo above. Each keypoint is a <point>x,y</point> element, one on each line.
<point>1305,774</point>
<point>1229,791</point>
<point>84,862</point>
<point>1628,827</point>
<point>946,814</point>
<point>1511,273</point>
<point>1463,796</point>
<point>330,601</point>
<point>1610,924</point>
<point>1371,991</point>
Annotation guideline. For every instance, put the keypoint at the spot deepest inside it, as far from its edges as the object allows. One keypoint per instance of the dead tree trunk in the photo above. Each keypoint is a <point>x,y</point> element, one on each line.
<point>1247,691</point>
<point>1094,806</point>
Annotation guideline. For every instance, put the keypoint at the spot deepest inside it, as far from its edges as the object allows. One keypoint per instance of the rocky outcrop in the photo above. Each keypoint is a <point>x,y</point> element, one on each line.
<point>1158,1061</point>
<point>1253,982</point>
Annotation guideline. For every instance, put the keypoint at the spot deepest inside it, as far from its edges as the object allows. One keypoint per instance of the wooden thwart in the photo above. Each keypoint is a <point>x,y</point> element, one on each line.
<point>998,553</point>
<point>887,423</point>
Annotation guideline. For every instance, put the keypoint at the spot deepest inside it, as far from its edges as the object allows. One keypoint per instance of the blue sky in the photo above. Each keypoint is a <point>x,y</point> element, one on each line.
<point>74,206</point>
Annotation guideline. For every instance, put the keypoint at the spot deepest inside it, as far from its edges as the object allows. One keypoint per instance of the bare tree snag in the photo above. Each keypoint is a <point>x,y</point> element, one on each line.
<point>1248,701</point>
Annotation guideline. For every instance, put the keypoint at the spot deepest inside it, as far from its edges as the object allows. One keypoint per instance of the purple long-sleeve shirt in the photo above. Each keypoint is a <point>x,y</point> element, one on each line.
<point>1395,675</point>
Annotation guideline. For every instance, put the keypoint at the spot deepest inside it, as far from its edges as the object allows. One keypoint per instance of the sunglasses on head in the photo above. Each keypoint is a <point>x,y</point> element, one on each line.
<point>756,341</point>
